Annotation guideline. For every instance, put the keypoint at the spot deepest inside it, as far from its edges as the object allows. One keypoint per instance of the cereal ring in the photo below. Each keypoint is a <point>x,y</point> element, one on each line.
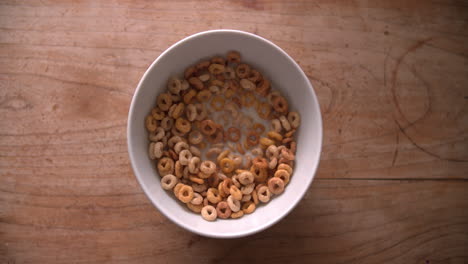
<point>240,149</point>
<point>246,178</point>
<point>216,82</point>
<point>237,101</point>
<point>272,164</point>
<point>179,146</point>
<point>158,150</point>
<point>184,156</point>
<point>208,127</point>
<point>246,198</point>
<point>176,98</point>
<point>173,155</point>
<point>231,110</point>
<point>213,180</point>
<point>227,165</point>
<point>183,125</point>
<point>263,87</point>
<point>229,73</point>
<point>247,84</point>
<point>264,194</point>
<point>242,70</point>
<point>213,195</point>
<point>201,111</point>
<point>177,110</point>
<point>248,161</point>
<point>158,114</point>
<point>174,85</point>
<point>218,60</point>
<point>191,112</point>
<point>208,167</point>
<point>209,213</point>
<point>195,82</point>
<point>221,189</point>
<point>258,128</point>
<point>168,181</point>
<point>248,99</point>
<point>223,155</point>
<point>248,188</point>
<point>276,125</point>
<point>235,181</point>
<point>165,166</point>
<point>263,110</point>
<point>293,147</point>
<point>194,165</point>
<point>178,169</point>
<point>217,137</point>
<point>272,96</point>
<point>196,179</point>
<point>189,96</point>
<point>174,140</point>
<point>294,119</point>
<point>223,210</point>
<point>237,159</point>
<point>190,71</point>
<point>235,192</point>
<point>287,154</point>
<point>164,101</point>
<point>266,142</point>
<point>226,184</point>
<point>257,151</point>
<point>196,208</point>
<point>203,96</point>
<point>195,137</point>
<point>214,89</point>
<point>238,214</point>
<point>177,189</point>
<point>285,123</point>
<point>204,77</point>
<point>280,104</point>
<point>233,57</point>
<point>151,123</point>
<point>272,152</point>
<point>217,103</point>
<point>248,207</point>
<point>260,175</point>
<point>283,174</point>
<point>275,136</point>
<point>275,185</point>
<point>290,133</point>
<point>216,69</point>
<point>233,134</point>
<point>260,163</point>
<point>199,187</point>
<point>254,197</point>
<point>185,85</point>
<point>186,172</point>
<point>213,152</point>
<point>185,194</point>
<point>251,138</point>
<point>203,65</point>
<point>167,123</point>
<point>254,76</point>
<point>233,204</point>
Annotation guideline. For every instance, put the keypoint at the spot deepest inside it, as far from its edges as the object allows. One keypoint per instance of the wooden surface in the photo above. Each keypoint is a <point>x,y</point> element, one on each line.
<point>392,80</point>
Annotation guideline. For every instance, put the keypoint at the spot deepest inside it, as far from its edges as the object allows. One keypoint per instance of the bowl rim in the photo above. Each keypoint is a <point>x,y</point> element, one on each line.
<point>131,149</point>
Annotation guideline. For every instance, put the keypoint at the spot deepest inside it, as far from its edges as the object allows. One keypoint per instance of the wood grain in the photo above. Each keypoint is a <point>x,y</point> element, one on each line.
<point>391,77</point>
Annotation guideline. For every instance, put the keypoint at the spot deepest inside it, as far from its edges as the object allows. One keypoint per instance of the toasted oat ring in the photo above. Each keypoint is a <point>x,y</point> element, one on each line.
<point>204,96</point>
<point>209,213</point>
<point>237,214</point>
<point>178,110</point>
<point>275,136</point>
<point>158,114</point>
<point>185,194</point>
<point>194,165</point>
<point>226,185</point>
<point>218,60</point>
<point>208,167</point>
<point>248,99</point>
<point>260,163</point>
<point>199,187</point>
<point>184,157</point>
<point>264,194</point>
<point>266,142</point>
<point>208,127</point>
<point>151,123</point>
<point>197,83</point>
<point>272,164</point>
<point>227,165</point>
<point>217,103</point>
<point>242,70</point>
<point>283,175</point>
<point>216,69</point>
<point>183,125</point>
<point>287,154</point>
<point>223,210</point>
<point>233,134</point>
<point>276,185</point>
<point>196,179</point>
<point>196,208</point>
<point>280,104</point>
<point>168,181</point>
<point>195,137</point>
<point>203,65</point>
<point>189,96</point>
<point>164,101</point>
<point>233,57</point>
<point>258,128</point>
<point>165,166</point>
<point>235,192</point>
<point>294,119</point>
<point>263,110</point>
<point>276,125</point>
<point>263,87</point>
<point>217,137</point>
<point>254,76</point>
<point>213,195</point>
<point>189,72</point>
<point>246,178</point>
<point>233,204</point>
<point>213,180</point>
<point>248,207</point>
<point>251,138</point>
<point>177,189</point>
<point>260,175</point>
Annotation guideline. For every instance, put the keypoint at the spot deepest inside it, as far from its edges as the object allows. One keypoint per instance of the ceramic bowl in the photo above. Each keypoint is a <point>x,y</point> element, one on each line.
<point>285,75</point>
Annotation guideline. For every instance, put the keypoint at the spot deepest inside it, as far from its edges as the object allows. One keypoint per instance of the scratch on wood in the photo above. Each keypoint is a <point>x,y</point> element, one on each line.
<point>395,154</point>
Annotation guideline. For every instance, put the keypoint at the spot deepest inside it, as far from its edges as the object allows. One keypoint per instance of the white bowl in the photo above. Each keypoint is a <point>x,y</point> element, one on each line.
<point>285,75</point>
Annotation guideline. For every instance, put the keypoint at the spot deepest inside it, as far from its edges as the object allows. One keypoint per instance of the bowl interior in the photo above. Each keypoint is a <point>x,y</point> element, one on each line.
<point>285,75</point>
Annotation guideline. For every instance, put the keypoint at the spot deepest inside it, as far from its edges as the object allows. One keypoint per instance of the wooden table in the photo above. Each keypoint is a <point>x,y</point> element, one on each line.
<point>392,80</point>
